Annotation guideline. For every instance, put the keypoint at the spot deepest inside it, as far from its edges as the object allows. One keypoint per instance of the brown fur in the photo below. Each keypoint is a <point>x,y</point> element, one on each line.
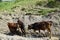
<point>41,26</point>
<point>21,26</point>
<point>13,27</point>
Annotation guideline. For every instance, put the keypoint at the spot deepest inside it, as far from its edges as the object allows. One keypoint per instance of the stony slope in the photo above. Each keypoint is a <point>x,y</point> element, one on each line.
<point>28,19</point>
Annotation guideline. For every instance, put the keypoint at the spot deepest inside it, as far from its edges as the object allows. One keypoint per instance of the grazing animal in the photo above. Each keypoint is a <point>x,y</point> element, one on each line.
<point>13,27</point>
<point>41,26</point>
<point>21,26</point>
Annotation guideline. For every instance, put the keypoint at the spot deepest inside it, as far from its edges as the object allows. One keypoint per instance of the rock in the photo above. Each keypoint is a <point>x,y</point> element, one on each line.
<point>15,37</point>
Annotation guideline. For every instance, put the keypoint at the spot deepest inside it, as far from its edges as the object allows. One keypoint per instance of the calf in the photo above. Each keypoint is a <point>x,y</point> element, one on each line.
<point>41,26</point>
<point>21,26</point>
<point>13,27</point>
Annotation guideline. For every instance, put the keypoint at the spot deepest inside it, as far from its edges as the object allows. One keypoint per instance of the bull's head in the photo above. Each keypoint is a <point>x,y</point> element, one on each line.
<point>50,22</point>
<point>29,27</point>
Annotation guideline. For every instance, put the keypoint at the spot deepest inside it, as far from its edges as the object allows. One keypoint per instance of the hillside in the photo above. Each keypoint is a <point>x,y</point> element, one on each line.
<point>26,19</point>
<point>30,5</point>
<point>29,11</point>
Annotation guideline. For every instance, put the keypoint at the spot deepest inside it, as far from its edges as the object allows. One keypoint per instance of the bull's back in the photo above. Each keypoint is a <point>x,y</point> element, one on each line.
<point>42,25</point>
<point>12,24</point>
<point>38,26</point>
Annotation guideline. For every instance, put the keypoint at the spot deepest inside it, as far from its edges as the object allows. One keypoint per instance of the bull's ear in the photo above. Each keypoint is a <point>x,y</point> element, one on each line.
<point>28,25</point>
<point>51,21</point>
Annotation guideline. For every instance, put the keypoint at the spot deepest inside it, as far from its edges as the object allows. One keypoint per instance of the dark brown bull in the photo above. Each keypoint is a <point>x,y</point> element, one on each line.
<point>13,27</point>
<point>41,26</point>
<point>21,26</point>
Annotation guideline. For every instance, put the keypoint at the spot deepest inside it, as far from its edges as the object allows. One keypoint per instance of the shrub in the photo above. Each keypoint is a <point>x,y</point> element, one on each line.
<point>43,12</point>
<point>57,0</point>
<point>51,4</point>
<point>23,9</point>
<point>41,3</point>
<point>46,11</point>
<point>0,0</point>
<point>18,1</point>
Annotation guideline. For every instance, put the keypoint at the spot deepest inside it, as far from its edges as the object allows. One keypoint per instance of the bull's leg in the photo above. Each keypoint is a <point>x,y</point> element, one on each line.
<point>39,31</point>
<point>49,31</point>
<point>11,29</point>
<point>43,33</point>
<point>23,32</point>
<point>34,31</point>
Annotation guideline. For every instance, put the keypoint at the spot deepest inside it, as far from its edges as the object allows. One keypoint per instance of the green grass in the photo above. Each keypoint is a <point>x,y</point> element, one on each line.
<point>46,11</point>
<point>9,5</point>
<point>22,3</point>
<point>6,5</point>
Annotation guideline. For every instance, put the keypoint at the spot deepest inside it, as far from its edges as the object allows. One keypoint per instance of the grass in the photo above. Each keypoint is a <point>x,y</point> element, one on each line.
<point>42,11</point>
<point>22,3</point>
<point>46,11</point>
<point>9,5</point>
<point>6,5</point>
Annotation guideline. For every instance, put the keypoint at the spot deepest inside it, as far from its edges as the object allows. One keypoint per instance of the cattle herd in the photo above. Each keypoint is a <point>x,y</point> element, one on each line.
<point>44,25</point>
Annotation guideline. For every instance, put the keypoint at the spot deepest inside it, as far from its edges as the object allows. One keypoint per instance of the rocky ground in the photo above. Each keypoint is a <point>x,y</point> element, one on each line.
<point>6,17</point>
<point>28,19</point>
<point>15,37</point>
